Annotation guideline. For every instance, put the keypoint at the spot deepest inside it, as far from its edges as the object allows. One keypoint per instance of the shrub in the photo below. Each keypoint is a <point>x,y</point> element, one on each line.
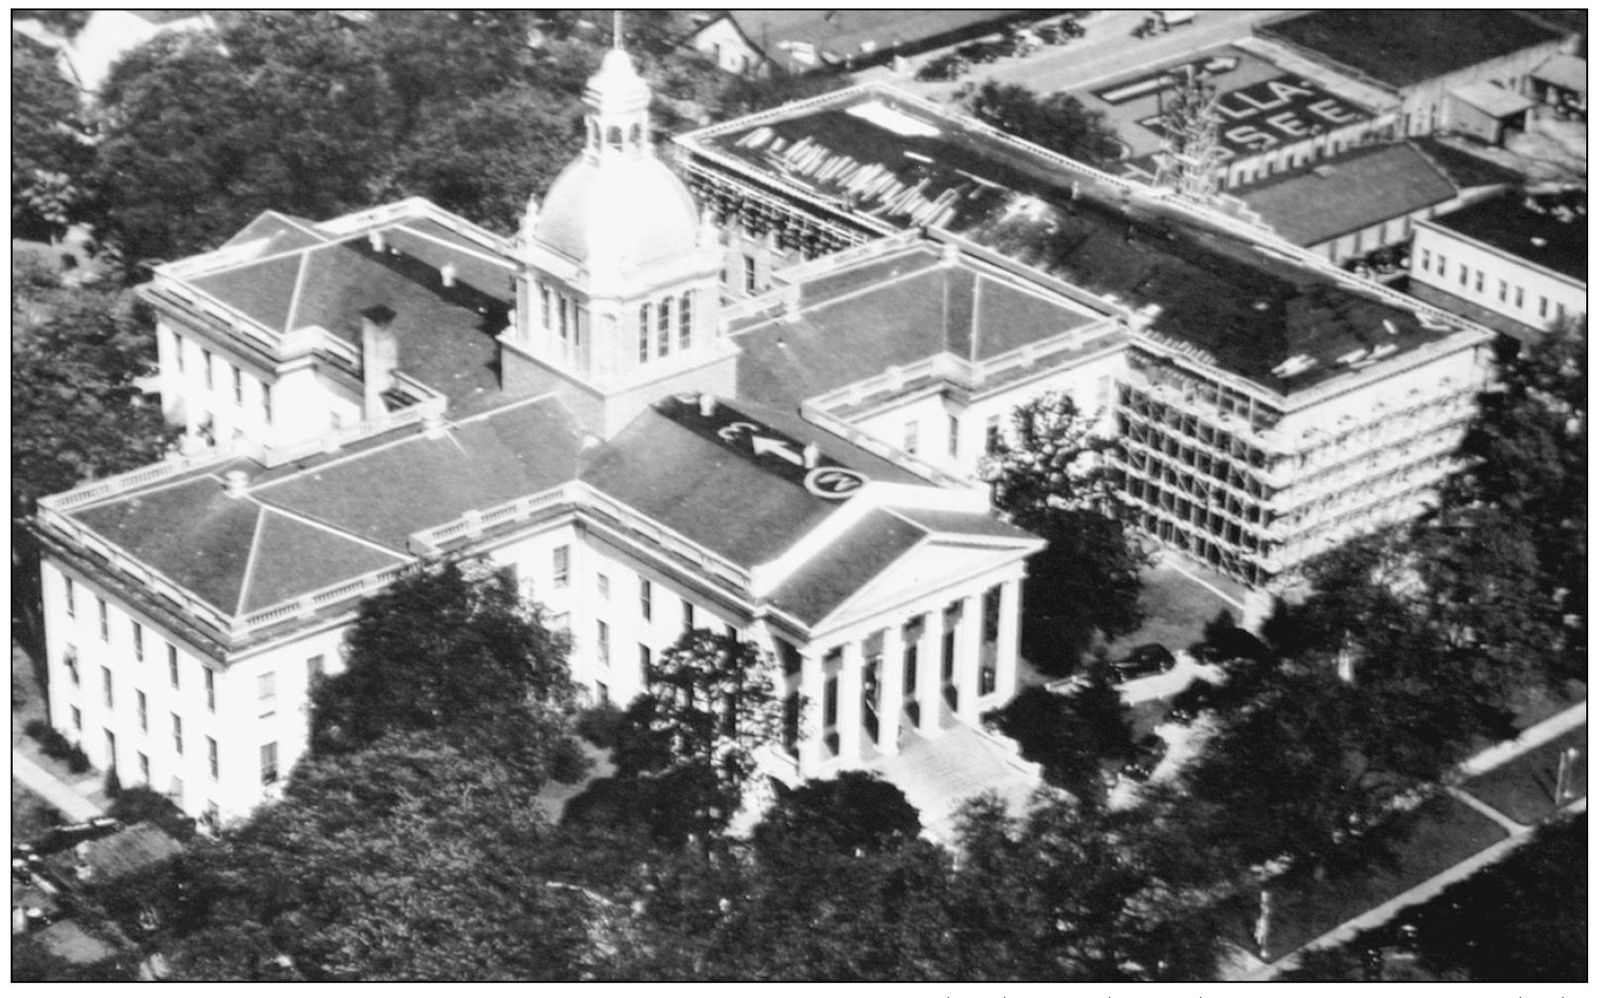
<point>141,803</point>
<point>77,761</point>
<point>600,724</point>
<point>36,729</point>
<point>55,743</point>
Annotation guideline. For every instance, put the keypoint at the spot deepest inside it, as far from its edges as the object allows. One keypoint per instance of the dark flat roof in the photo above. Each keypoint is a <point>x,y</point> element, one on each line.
<point>1401,47</point>
<point>1509,222</point>
<point>1216,289</point>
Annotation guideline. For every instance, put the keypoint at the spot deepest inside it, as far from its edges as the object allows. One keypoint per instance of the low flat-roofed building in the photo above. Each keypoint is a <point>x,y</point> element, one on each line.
<point>1270,405</point>
<point>761,42</point>
<point>1359,201</point>
<point>1562,83</point>
<point>1520,256</point>
<point>1422,55</point>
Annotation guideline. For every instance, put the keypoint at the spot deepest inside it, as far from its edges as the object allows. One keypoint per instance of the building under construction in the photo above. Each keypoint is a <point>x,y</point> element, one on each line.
<point>1270,404</point>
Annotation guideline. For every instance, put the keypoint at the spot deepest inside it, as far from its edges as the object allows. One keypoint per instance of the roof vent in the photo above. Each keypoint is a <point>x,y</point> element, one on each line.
<point>705,404</point>
<point>1390,327</point>
<point>1539,241</point>
<point>449,274</point>
<point>811,455</point>
<point>234,483</point>
<point>1261,306</point>
<point>376,241</point>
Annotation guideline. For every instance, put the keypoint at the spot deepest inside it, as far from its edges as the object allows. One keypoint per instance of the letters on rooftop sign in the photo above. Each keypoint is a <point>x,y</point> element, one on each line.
<point>1275,112</point>
<point>770,449</point>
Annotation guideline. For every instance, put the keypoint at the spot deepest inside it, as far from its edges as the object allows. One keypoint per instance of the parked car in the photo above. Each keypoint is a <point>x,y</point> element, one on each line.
<point>1147,754</point>
<point>1190,701</point>
<point>65,837</point>
<point>1145,660</point>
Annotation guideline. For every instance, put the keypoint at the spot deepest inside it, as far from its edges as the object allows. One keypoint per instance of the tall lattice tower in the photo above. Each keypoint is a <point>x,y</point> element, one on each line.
<point>1192,159</point>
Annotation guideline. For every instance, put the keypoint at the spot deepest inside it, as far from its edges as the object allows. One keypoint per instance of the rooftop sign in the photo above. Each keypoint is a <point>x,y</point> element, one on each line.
<point>1275,112</point>
<point>772,450</point>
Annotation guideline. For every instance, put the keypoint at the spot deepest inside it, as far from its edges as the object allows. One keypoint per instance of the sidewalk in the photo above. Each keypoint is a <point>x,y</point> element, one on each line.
<point>1517,834</point>
<point>61,796</point>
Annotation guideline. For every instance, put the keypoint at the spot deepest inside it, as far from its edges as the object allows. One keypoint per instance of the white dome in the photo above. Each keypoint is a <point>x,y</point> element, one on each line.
<point>618,211</point>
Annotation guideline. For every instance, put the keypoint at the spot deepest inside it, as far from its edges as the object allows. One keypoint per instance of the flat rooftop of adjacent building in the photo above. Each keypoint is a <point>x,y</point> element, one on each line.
<point>881,156</point>
<point>1403,46</point>
<point>1262,106</point>
<point>1547,230</point>
<point>846,33</point>
<point>1347,192</point>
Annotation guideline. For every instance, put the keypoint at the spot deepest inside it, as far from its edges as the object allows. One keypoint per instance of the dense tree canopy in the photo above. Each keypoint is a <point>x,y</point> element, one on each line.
<point>453,650</point>
<point>1058,121</point>
<point>49,148</point>
<point>1050,475</point>
<point>77,409</point>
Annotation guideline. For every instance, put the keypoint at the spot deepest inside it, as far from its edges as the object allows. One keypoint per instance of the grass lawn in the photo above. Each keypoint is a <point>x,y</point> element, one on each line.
<point>1305,910</point>
<point>1176,607</point>
<point>30,814</point>
<point>1522,788</point>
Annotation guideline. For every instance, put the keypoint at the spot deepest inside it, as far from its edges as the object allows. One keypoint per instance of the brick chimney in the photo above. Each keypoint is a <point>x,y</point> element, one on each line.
<point>379,359</point>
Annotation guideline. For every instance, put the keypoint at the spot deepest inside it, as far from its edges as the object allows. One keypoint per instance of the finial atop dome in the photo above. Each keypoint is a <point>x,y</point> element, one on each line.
<point>619,34</point>
<point>527,223</point>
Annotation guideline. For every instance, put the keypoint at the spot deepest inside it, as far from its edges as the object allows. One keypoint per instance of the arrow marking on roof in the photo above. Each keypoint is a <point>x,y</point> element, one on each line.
<point>765,445</point>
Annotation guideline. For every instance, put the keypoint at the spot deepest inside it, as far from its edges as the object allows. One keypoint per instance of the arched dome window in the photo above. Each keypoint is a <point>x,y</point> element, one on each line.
<point>636,135</point>
<point>616,137</point>
<point>644,340</point>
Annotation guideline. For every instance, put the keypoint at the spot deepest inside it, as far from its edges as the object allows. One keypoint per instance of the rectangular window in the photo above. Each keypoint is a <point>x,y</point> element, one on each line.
<point>602,641</point>
<point>212,756</point>
<point>178,352</point>
<point>1545,305</point>
<point>731,632</point>
<point>645,654</point>
<point>602,693</point>
<point>646,598</point>
<point>644,338</point>
<point>992,441</point>
<point>686,320</point>
<point>563,318</point>
<point>139,642</point>
<point>954,436</point>
<point>206,366</point>
<point>1440,269</point>
<point>178,734</point>
<point>664,327</point>
<point>172,666</point>
<point>1427,258</point>
<point>267,694</point>
<point>912,436</point>
<point>546,307</point>
<point>1561,313</point>
<point>269,756</point>
<point>78,719</point>
<point>72,599</point>
<point>1501,291</point>
<point>106,685</point>
<point>105,623</point>
<point>267,403</point>
<point>111,748</point>
<point>71,659</point>
<point>1517,296</point>
<point>560,566</point>
<point>830,706</point>
<point>144,769</point>
<point>139,698</point>
<point>686,615</point>
<point>750,274</point>
<point>1462,278</point>
<point>211,683</point>
<point>602,586</point>
<point>1478,281</point>
<point>239,387</point>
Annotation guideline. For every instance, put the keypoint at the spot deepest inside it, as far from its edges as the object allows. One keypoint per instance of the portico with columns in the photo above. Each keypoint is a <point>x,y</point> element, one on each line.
<point>869,679</point>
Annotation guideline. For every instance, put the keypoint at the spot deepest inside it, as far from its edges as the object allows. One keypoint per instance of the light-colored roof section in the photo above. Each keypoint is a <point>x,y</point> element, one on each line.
<point>1347,193</point>
<point>1498,102</point>
<point>840,34</point>
<point>1564,71</point>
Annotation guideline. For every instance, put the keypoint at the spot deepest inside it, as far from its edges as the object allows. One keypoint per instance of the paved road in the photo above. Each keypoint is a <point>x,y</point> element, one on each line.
<point>61,796</point>
<point>1108,50</point>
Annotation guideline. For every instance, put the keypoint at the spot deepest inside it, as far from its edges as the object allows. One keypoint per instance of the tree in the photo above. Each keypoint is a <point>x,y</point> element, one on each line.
<point>1058,122</point>
<point>50,151</point>
<point>1050,476</point>
<point>1528,449</point>
<point>408,859</point>
<point>77,410</point>
<point>713,707</point>
<point>855,812</point>
<point>454,650</point>
<point>1070,734</point>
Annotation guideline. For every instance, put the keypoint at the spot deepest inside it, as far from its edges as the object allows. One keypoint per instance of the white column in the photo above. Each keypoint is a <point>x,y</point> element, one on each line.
<point>968,659</point>
<point>1009,640</point>
<point>812,716</point>
<point>850,698</point>
<point>929,672</point>
<point>892,709</point>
